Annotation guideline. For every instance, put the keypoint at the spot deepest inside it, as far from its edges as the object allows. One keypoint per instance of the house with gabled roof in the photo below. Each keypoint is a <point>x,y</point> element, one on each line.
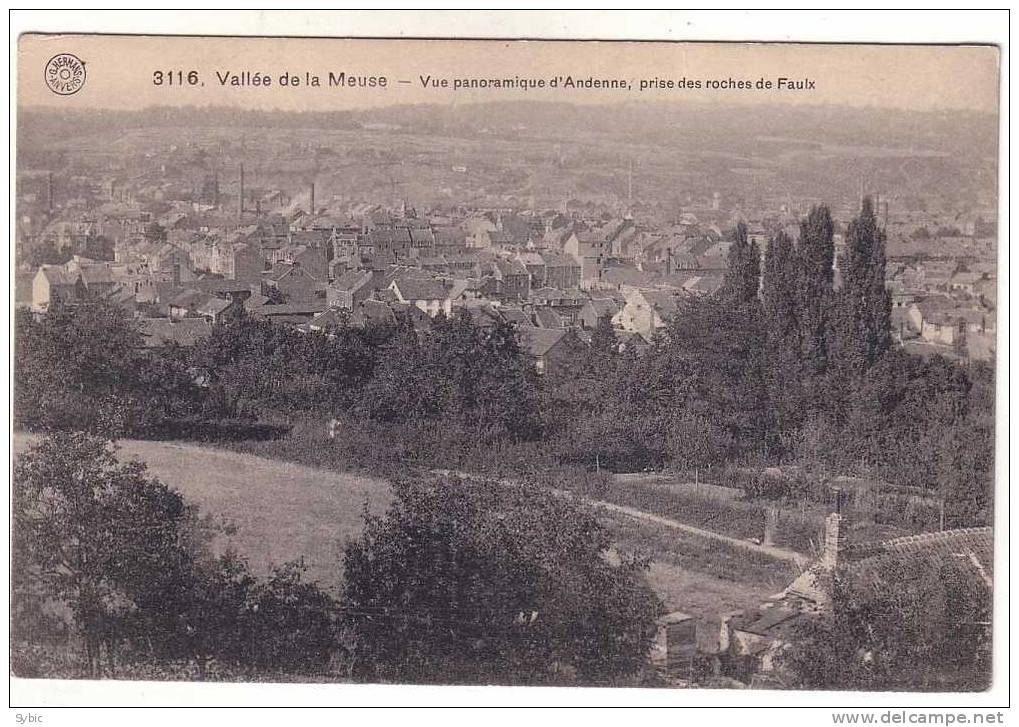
<point>597,308</point>
<point>293,313</point>
<point>547,347</point>
<point>329,319</point>
<point>561,271</point>
<point>350,288</point>
<point>192,303</point>
<point>295,282</point>
<point>588,248</point>
<point>429,295</point>
<point>647,311</point>
<point>505,279</point>
<point>548,318</point>
<point>52,283</point>
<point>372,312</point>
<point>941,320</point>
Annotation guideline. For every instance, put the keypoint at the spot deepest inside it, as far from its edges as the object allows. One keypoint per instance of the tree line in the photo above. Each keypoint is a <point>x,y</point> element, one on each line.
<point>785,365</point>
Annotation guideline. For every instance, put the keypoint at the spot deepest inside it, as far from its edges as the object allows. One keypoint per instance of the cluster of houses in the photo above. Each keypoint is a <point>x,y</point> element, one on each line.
<point>552,275</point>
<point>543,270</point>
<point>945,306</point>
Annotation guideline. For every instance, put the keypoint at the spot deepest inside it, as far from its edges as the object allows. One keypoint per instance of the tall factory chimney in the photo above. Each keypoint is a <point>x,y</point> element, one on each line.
<point>311,205</point>
<point>49,190</point>
<point>240,198</point>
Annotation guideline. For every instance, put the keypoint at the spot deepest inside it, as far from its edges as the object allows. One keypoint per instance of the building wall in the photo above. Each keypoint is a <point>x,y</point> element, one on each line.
<point>247,266</point>
<point>637,316</point>
<point>40,292</point>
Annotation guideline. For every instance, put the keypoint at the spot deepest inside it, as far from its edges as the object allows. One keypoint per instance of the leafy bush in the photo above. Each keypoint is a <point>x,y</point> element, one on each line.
<point>478,581</point>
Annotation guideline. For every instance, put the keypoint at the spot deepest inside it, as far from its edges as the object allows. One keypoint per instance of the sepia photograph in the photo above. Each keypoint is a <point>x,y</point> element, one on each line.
<point>505,362</point>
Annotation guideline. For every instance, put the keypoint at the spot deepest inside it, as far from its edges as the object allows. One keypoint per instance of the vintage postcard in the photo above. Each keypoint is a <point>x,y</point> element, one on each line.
<point>505,362</point>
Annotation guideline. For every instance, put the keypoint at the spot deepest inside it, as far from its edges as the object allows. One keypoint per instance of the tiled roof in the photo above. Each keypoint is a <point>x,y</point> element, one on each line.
<point>558,259</point>
<point>603,306</point>
<point>326,319</point>
<point>548,318</point>
<point>287,309</point>
<point>422,237</point>
<point>539,341</point>
<point>57,275</point>
<point>189,298</point>
<point>962,543</point>
<point>186,332</point>
<point>520,317</point>
<point>372,311</point>
<point>412,289</point>
<point>352,280</point>
<point>665,303</point>
<point>213,306</point>
<point>509,267</point>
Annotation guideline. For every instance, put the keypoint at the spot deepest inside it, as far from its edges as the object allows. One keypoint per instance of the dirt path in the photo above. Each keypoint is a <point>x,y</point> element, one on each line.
<point>798,559</point>
<point>791,556</point>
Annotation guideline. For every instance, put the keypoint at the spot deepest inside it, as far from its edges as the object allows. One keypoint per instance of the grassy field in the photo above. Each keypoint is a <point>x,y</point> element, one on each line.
<point>282,511</point>
<point>708,509</point>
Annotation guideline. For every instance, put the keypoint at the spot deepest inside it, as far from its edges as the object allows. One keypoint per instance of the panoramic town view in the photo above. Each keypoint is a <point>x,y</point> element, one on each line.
<point>635,394</point>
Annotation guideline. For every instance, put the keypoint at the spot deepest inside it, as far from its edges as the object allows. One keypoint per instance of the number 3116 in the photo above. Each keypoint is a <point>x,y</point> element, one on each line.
<point>175,78</point>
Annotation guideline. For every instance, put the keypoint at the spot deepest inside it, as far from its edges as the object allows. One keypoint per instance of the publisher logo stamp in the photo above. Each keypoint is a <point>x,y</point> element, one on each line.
<point>65,74</point>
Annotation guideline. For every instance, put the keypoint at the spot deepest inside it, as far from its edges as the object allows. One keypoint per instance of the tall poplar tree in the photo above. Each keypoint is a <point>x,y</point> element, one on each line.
<point>780,303</point>
<point>743,276</point>
<point>814,282</point>
<point>864,304</point>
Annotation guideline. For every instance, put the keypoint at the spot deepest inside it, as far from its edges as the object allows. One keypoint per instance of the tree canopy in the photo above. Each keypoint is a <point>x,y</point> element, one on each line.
<point>479,581</point>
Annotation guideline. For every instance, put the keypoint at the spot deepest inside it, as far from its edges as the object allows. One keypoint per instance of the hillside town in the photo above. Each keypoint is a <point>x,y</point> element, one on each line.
<point>181,256</point>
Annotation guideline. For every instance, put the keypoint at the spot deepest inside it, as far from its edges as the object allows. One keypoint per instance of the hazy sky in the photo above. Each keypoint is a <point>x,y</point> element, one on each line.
<point>120,71</point>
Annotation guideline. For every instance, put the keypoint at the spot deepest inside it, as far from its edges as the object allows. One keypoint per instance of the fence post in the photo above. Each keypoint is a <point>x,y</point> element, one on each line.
<point>770,525</point>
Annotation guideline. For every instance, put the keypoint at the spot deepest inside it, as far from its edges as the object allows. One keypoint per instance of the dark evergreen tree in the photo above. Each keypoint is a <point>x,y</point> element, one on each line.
<point>780,301</point>
<point>864,306</point>
<point>815,262</point>
<point>779,293</point>
<point>720,349</point>
<point>743,276</point>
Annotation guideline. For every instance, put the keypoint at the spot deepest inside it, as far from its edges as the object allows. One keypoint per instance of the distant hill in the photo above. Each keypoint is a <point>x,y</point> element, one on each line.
<point>955,132</point>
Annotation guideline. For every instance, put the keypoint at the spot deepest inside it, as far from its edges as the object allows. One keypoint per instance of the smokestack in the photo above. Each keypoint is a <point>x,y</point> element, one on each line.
<point>240,200</point>
<point>668,261</point>
<point>49,190</point>
<point>311,211</point>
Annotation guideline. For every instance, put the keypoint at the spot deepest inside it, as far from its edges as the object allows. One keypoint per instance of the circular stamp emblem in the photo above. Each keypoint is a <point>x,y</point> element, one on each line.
<point>65,74</point>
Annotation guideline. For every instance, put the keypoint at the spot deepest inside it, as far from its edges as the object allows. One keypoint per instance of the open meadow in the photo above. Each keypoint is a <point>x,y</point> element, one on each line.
<point>284,511</point>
